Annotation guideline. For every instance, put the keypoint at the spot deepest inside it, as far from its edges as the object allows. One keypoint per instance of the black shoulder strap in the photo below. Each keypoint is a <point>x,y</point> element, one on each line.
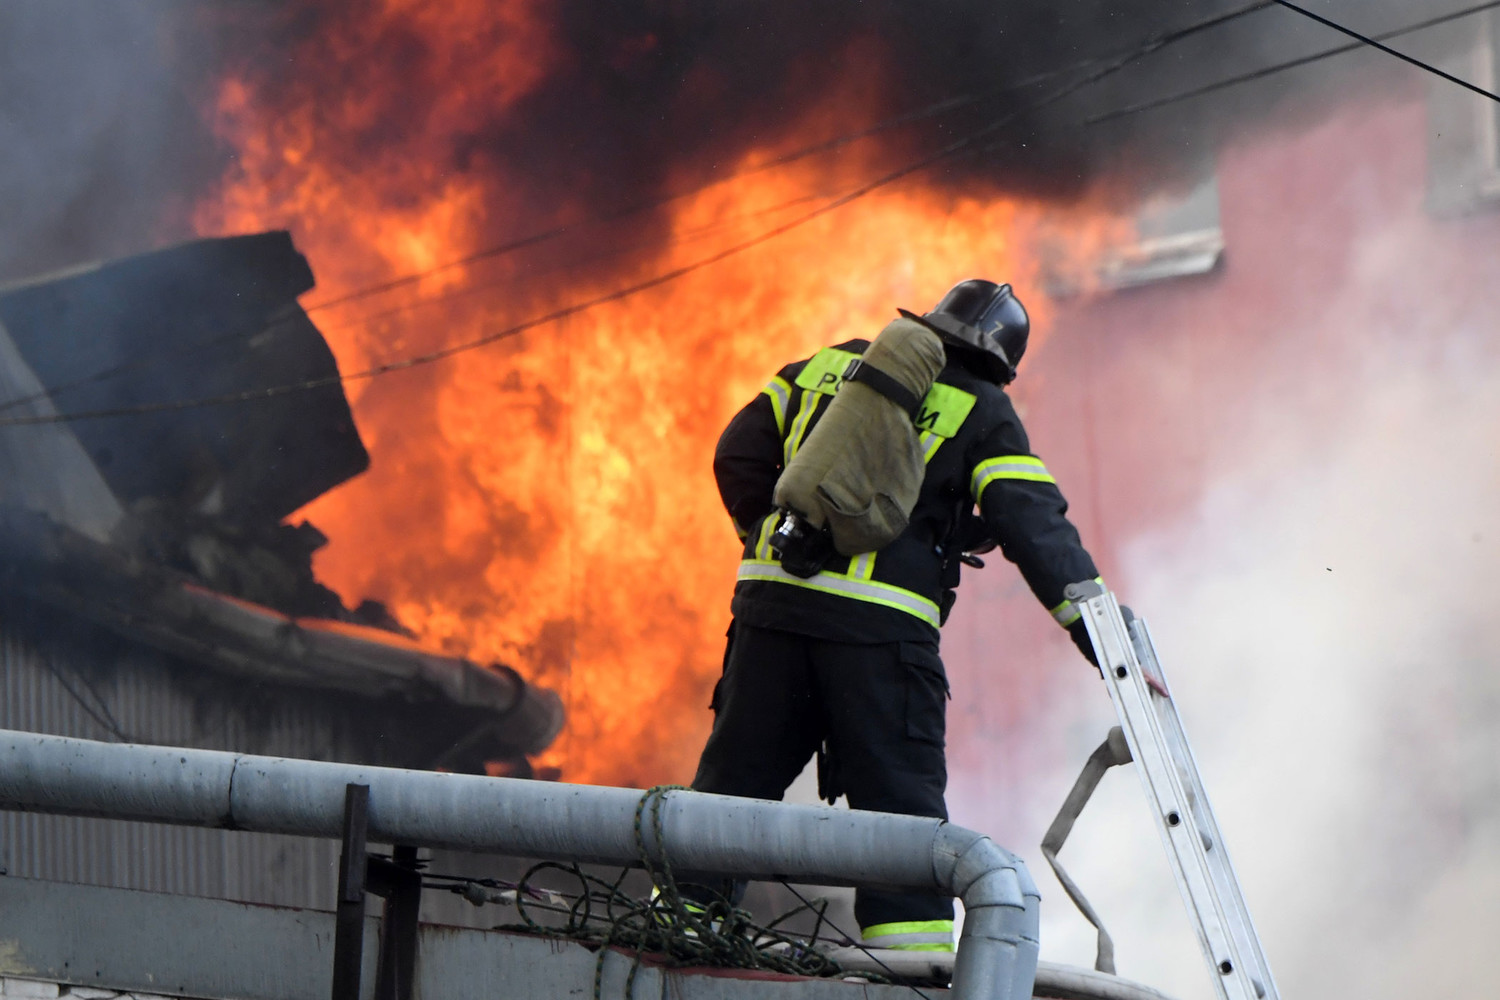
<point>859,371</point>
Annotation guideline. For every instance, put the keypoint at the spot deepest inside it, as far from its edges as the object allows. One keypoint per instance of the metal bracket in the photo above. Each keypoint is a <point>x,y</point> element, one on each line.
<point>398,879</point>
<point>349,923</point>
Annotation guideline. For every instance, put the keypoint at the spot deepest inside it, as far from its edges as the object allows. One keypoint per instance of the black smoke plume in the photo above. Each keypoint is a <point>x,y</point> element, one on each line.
<point>106,109</point>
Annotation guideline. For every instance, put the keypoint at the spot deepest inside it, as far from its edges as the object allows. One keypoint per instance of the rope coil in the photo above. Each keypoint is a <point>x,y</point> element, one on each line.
<point>670,928</point>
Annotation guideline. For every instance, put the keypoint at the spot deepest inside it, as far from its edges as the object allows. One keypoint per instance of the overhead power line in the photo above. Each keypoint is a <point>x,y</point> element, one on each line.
<point>945,153</point>
<point>1388,50</point>
<point>786,159</point>
<point>280,319</point>
<point>287,318</point>
<point>539,238</point>
<point>574,263</point>
<point>1290,64</point>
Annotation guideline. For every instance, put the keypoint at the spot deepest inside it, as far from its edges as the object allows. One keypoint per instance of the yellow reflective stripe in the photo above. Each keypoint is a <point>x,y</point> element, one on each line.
<point>842,585</point>
<point>930,443</point>
<point>664,914</point>
<point>907,927</point>
<point>1067,612</point>
<point>862,566</point>
<point>799,426</point>
<point>1027,467</point>
<point>763,543</point>
<point>915,935</point>
<point>780,391</point>
<point>824,371</point>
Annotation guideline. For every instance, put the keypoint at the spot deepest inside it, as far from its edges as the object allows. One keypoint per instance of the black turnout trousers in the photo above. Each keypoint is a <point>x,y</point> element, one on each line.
<point>880,707</point>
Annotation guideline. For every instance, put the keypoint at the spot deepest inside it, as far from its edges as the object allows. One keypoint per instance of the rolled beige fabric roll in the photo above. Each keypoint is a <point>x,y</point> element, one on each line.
<point>860,469</point>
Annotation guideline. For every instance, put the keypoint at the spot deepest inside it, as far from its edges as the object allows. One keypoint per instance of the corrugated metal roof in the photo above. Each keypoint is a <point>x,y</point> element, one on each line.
<point>47,687</point>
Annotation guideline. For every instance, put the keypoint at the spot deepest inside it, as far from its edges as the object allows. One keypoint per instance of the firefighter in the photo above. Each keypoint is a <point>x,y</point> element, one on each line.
<point>843,664</point>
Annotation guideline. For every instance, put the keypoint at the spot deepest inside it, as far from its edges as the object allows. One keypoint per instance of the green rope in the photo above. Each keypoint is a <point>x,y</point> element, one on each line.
<point>675,931</point>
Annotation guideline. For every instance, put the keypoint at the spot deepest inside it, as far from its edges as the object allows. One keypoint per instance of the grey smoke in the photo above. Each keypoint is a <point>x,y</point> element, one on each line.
<point>1326,616</point>
<point>1348,721</point>
<point>102,148</point>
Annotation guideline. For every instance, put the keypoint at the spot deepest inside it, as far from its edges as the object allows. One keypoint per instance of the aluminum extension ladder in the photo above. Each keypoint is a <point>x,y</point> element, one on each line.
<point>1174,791</point>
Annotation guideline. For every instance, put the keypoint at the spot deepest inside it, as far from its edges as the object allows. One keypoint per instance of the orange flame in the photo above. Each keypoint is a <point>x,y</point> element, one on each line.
<point>547,501</point>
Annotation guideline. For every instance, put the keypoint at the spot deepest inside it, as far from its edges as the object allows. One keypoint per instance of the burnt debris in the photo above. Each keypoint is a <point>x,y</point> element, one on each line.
<point>163,522</point>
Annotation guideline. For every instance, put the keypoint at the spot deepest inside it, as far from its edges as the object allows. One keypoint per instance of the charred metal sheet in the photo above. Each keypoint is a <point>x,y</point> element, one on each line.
<point>201,320</point>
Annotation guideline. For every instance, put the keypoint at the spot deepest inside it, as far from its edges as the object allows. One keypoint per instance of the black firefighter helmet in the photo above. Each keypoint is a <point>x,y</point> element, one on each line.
<point>987,322</point>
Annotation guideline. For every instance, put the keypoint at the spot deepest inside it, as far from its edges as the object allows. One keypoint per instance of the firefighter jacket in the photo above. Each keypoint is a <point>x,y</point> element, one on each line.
<point>978,458</point>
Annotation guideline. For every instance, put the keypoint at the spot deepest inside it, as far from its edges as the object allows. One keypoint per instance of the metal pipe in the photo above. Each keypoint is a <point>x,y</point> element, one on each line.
<point>748,838</point>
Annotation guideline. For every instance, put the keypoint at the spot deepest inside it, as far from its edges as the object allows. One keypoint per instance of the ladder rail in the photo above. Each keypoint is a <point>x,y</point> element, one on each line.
<point>1162,785</point>
<point>1227,877</point>
<point>1180,806</point>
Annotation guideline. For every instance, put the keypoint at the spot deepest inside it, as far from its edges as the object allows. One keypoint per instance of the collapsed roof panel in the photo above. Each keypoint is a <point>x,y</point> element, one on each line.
<point>201,320</point>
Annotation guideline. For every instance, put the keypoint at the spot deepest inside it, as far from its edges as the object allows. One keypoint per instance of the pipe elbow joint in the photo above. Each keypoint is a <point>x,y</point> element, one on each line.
<point>997,952</point>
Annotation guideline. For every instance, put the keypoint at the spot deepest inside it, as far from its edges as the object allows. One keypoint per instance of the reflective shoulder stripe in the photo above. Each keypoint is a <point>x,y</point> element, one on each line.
<point>825,370</point>
<point>842,585</point>
<point>911,935</point>
<point>944,410</point>
<point>930,443</point>
<point>1027,467</point>
<point>799,425</point>
<point>862,566</point>
<point>780,391</point>
<point>1067,612</point>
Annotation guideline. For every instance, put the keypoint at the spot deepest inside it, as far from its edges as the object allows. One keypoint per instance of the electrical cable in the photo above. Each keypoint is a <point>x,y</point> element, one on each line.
<point>102,716</point>
<point>857,943</point>
<point>505,248</point>
<point>966,143</point>
<point>1388,50</point>
<point>288,316</point>
<point>573,264</point>
<point>1264,72</point>
<point>279,319</point>
<point>538,238</point>
<point>677,930</point>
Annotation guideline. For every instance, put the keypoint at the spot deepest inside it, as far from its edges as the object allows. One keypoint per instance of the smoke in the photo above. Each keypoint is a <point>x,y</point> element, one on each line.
<point>585,110</point>
<point>1326,624</point>
<point>113,115</point>
<point>102,148</point>
<point>1323,608</point>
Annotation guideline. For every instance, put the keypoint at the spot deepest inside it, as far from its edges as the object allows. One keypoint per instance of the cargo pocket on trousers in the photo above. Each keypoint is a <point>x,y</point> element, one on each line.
<point>926,693</point>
